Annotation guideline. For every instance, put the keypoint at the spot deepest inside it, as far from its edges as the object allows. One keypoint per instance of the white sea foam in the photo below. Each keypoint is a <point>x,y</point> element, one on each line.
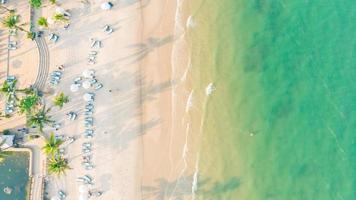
<point>189,103</point>
<point>210,89</point>
<point>195,178</point>
<point>185,74</point>
<point>190,22</point>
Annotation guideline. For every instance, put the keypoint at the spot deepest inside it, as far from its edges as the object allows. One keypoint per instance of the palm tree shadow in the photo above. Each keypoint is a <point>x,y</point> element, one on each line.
<point>182,188</point>
<point>143,49</point>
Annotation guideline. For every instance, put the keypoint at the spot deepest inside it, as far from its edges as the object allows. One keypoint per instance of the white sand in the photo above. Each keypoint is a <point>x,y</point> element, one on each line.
<point>137,140</point>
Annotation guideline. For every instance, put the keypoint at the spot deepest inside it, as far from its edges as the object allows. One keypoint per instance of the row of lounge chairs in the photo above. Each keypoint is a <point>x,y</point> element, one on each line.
<point>89,132</point>
<point>55,78</point>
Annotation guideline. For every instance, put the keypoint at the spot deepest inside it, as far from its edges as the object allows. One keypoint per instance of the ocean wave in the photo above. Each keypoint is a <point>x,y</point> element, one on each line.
<point>189,103</point>
<point>210,89</point>
<point>190,22</point>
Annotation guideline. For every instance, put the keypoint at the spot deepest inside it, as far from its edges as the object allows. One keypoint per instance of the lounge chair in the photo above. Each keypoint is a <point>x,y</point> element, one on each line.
<point>87,144</point>
<point>98,86</point>
<point>78,79</point>
<point>86,150</point>
<point>93,53</point>
<point>62,194</point>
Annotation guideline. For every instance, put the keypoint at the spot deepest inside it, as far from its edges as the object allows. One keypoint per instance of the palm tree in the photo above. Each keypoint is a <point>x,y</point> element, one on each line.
<point>57,165</point>
<point>11,22</point>
<point>60,100</point>
<point>35,3</point>
<point>42,21</point>
<point>52,145</point>
<point>58,17</point>
<point>39,119</point>
<point>28,103</point>
<point>9,89</point>
<point>53,1</point>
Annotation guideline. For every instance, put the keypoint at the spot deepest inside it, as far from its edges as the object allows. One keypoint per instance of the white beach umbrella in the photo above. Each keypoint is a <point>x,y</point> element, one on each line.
<point>88,73</point>
<point>106,6</point>
<point>87,97</point>
<point>86,84</point>
<point>74,87</point>
<point>60,10</point>
<point>83,197</point>
<point>83,192</point>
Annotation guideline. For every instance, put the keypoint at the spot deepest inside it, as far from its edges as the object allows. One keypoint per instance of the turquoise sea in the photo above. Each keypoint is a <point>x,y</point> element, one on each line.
<point>281,124</point>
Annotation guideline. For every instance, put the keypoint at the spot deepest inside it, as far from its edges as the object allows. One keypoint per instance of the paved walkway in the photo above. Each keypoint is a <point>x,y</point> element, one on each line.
<point>38,168</point>
<point>39,161</point>
<point>43,66</point>
<point>43,52</point>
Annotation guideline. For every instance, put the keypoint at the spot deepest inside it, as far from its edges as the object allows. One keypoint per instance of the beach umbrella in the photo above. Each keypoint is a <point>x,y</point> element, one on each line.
<point>83,197</point>
<point>87,97</point>
<point>83,192</point>
<point>86,84</point>
<point>74,87</point>
<point>106,6</point>
<point>60,10</point>
<point>88,73</point>
<point>83,189</point>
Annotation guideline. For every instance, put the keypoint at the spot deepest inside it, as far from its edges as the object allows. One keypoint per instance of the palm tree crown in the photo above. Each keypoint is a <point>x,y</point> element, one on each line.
<point>28,103</point>
<point>9,89</point>
<point>35,3</point>
<point>60,100</point>
<point>42,21</point>
<point>39,119</point>
<point>60,17</point>
<point>57,165</point>
<point>11,21</point>
<point>52,145</point>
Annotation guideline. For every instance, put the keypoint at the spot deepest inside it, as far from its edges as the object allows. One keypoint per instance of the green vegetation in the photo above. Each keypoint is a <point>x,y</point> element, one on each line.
<point>28,103</point>
<point>53,1</point>
<point>60,100</point>
<point>8,89</point>
<point>52,145</point>
<point>35,3</point>
<point>42,21</point>
<point>11,21</point>
<point>39,119</point>
<point>57,165</point>
<point>58,17</point>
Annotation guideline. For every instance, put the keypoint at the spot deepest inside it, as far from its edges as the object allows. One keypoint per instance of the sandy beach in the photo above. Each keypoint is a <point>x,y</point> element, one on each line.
<point>138,137</point>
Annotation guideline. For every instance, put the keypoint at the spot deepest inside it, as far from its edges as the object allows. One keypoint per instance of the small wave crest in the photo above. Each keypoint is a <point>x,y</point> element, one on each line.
<point>210,89</point>
<point>195,179</point>
<point>190,22</point>
<point>189,103</point>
